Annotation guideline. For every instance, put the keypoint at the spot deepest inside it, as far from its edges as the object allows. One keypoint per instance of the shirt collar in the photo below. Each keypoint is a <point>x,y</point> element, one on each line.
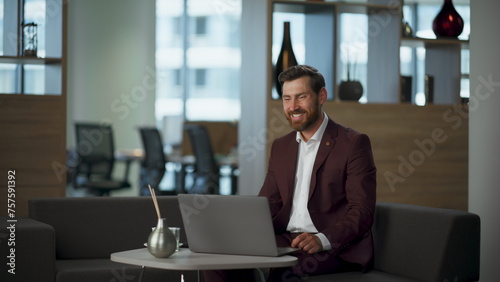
<point>318,134</point>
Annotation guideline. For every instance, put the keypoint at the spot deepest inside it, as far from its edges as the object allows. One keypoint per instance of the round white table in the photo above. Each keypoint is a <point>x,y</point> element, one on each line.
<point>184,259</point>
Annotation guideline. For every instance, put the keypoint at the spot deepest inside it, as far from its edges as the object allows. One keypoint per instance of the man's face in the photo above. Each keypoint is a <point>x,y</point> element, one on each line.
<point>301,105</point>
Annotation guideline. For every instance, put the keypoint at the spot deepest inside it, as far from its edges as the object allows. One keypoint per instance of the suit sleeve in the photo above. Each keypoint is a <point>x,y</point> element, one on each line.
<point>270,188</point>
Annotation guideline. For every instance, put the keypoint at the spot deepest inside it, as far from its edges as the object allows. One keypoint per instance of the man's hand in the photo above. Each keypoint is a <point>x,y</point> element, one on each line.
<point>307,242</point>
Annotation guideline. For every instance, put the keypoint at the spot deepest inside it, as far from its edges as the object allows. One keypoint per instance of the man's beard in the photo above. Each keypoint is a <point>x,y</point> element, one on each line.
<point>311,118</point>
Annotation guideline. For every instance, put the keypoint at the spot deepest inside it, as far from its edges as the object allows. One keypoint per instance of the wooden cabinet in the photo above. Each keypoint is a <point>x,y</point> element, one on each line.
<point>33,104</point>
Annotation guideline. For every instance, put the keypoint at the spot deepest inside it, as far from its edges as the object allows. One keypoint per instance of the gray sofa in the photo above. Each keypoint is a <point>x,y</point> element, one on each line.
<point>71,239</point>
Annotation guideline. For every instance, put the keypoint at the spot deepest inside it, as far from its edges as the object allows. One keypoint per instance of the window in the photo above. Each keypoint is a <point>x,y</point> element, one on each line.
<point>30,73</point>
<point>200,25</point>
<point>354,49</point>
<point>197,60</point>
<point>200,77</point>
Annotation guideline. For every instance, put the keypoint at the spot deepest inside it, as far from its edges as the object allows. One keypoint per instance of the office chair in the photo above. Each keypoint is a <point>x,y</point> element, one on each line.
<point>207,172</point>
<point>95,150</point>
<point>153,164</point>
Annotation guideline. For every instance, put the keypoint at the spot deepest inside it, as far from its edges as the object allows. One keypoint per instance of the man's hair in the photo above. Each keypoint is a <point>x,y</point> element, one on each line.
<point>317,81</point>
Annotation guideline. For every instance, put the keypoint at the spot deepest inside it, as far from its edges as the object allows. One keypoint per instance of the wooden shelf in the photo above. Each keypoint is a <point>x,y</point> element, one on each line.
<point>29,60</point>
<point>305,7</point>
<point>300,7</point>
<point>415,42</point>
<point>31,94</point>
<point>35,123</point>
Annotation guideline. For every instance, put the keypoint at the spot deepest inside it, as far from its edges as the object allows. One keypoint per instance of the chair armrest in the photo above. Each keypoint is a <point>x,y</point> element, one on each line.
<point>27,248</point>
<point>127,170</point>
<point>128,157</point>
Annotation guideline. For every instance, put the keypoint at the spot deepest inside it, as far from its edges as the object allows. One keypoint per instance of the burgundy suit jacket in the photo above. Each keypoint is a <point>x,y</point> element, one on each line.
<point>342,193</point>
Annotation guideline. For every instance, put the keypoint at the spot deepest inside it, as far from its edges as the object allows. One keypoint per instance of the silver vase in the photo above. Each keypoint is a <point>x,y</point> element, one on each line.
<point>161,242</point>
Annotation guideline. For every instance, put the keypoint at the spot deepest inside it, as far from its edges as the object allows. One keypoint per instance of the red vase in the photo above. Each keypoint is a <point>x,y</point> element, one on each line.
<point>448,23</point>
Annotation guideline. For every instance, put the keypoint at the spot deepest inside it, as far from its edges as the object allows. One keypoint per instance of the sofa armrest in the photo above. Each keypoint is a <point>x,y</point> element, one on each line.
<point>425,243</point>
<point>27,248</point>
<point>461,257</point>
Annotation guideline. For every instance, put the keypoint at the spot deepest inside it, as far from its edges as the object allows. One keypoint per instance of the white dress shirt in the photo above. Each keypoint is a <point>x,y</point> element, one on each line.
<point>300,219</point>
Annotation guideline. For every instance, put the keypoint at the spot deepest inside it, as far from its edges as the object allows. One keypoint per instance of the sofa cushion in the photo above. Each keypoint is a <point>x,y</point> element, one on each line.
<point>96,227</point>
<point>426,244</point>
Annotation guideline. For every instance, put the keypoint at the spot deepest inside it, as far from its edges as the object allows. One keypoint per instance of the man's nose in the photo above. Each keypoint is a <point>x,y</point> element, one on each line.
<point>295,104</point>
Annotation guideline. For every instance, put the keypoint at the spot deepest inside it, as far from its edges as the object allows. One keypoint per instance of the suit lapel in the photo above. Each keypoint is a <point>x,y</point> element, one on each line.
<point>325,147</point>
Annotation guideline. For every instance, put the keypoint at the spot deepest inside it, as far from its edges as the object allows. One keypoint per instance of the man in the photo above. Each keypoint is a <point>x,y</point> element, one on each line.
<point>320,184</point>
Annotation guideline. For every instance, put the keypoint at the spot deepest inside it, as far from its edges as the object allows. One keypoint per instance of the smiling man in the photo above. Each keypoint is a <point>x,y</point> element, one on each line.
<point>320,184</point>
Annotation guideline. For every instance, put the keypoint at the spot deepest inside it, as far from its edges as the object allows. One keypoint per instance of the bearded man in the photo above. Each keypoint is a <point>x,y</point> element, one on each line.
<point>321,187</point>
<point>320,183</point>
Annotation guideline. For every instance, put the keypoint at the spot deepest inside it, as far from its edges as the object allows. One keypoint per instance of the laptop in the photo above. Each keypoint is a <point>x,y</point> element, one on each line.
<point>237,225</point>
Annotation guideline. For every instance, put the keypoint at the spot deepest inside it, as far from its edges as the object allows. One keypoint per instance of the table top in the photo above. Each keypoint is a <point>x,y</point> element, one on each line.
<point>138,154</point>
<point>184,259</point>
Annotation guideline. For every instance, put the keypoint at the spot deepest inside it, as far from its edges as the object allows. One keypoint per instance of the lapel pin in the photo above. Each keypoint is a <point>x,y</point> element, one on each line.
<point>328,143</point>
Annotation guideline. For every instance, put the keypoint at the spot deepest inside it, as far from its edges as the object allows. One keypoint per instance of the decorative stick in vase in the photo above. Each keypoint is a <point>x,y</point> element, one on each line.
<point>155,201</point>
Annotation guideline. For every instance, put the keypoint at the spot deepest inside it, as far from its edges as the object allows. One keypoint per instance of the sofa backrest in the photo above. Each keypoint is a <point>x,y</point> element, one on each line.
<point>426,244</point>
<point>98,226</point>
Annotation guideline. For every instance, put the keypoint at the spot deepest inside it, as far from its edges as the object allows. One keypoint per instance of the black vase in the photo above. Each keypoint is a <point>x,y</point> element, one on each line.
<point>448,23</point>
<point>286,57</point>
<point>350,90</point>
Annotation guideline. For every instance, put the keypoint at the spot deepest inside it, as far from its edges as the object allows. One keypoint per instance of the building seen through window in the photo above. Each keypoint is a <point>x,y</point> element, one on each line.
<point>197,60</point>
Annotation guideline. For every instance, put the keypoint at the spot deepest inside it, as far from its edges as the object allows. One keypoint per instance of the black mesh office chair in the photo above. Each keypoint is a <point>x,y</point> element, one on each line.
<point>207,172</point>
<point>153,164</point>
<point>95,150</point>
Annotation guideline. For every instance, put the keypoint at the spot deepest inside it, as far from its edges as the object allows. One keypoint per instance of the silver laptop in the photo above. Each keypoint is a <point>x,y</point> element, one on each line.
<point>239,225</point>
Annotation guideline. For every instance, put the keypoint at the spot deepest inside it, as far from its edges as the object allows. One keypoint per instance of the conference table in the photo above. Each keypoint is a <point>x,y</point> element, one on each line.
<point>186,260</point>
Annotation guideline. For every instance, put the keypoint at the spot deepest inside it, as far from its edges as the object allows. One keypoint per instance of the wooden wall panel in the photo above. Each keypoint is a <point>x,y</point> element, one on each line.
<point>421,153</point>
<point>33,143</point>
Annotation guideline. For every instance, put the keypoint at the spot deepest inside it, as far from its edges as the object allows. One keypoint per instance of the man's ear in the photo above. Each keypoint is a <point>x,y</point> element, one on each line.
<point>322,95</point>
